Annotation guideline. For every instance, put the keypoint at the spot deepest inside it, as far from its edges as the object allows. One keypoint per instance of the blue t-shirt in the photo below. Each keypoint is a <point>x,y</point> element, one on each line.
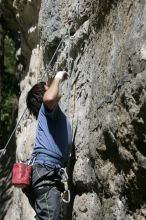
<point>53,137</point>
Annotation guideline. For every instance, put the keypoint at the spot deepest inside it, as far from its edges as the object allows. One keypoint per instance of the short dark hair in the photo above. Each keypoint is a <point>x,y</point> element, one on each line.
<point>34,98</point>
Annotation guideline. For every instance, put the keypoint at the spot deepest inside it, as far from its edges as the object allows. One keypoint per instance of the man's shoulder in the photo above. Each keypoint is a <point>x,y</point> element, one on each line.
<point>51,114</point>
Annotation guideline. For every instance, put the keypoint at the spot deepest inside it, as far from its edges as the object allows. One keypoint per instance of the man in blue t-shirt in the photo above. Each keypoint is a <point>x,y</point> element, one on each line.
<point>51,150</point>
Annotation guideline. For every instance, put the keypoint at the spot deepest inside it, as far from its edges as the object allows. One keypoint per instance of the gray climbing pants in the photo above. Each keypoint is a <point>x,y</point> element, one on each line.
<point>48,206</point>
<point>44,194</point>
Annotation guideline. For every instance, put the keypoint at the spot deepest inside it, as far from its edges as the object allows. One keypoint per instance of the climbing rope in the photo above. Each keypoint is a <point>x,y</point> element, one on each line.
<point>49,64</point>
<point>4,149</point>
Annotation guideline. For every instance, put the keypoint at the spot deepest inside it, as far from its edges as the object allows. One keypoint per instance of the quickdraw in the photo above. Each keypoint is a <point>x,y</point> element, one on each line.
<point>64,179</point>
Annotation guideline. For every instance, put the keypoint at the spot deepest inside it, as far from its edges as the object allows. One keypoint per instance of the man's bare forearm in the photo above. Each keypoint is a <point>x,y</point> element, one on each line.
<point>51,96</point>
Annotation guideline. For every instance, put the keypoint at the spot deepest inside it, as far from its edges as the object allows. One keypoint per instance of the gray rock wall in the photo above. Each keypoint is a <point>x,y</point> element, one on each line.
<point>104,49</point>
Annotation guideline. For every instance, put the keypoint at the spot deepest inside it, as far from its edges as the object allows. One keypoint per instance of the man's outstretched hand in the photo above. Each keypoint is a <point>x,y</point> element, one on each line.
<point>61,75</point>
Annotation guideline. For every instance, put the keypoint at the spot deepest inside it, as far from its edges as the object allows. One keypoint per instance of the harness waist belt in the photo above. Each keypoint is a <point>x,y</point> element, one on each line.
<point>44,158</point>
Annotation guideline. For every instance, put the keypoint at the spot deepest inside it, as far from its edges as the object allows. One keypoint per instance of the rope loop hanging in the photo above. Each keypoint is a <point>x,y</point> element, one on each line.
<point>13,132</point>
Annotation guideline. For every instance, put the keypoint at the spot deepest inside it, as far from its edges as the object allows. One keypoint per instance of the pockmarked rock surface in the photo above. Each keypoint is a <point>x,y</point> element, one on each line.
<point>103,48</point>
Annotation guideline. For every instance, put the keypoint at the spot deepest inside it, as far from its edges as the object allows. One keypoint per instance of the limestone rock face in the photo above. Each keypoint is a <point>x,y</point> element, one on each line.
<point>103,48</point>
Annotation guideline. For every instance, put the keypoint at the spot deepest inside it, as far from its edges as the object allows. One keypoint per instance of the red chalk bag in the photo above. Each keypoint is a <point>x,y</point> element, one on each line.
<point>21,175</point>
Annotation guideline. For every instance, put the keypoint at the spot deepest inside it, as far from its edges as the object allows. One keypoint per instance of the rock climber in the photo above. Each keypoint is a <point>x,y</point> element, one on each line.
<point>51,149</point>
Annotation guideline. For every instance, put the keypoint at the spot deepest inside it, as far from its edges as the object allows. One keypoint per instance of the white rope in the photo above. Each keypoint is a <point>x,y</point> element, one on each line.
<point>49,64</point>
<point>4,149</point>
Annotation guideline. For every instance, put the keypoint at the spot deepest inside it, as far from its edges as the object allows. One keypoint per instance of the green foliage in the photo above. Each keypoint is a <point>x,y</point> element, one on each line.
<point>9,56</point>
<point>9,91</point>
